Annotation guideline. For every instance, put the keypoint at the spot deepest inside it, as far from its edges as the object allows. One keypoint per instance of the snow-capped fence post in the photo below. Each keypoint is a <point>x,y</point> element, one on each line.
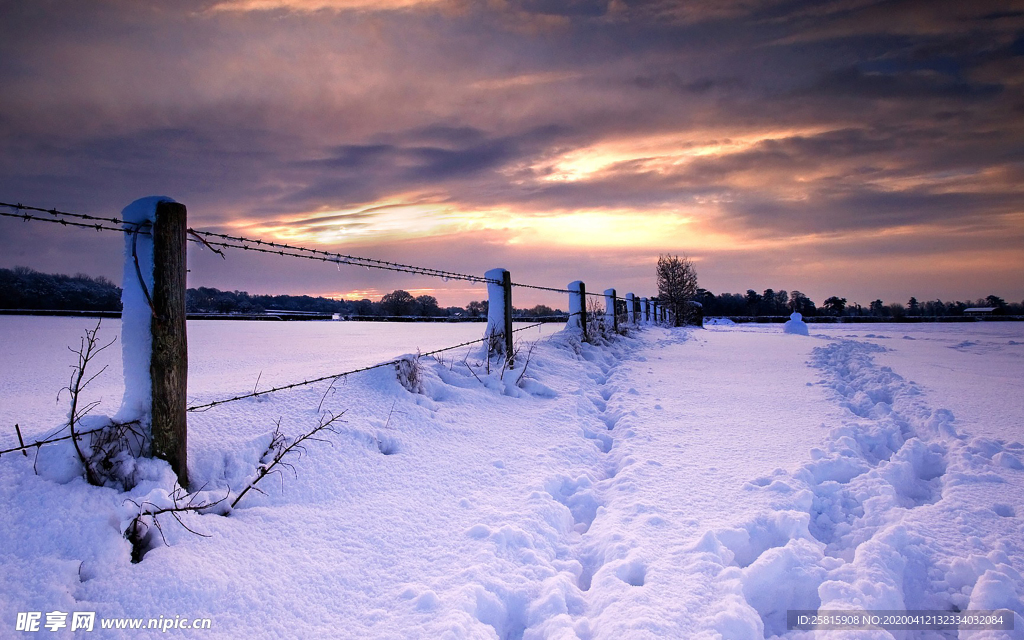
<point>636,310</point>
<point>578,307</point>
<point>645,305</point>
<point>609,310</point>
<point>630,308</point>
<point>499,313</point>
<point>154,344</point>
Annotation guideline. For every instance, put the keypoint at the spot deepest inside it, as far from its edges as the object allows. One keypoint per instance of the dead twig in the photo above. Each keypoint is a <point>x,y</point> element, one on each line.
<point>280,447</point>
<point>87,350</point>
<point>139,531</point>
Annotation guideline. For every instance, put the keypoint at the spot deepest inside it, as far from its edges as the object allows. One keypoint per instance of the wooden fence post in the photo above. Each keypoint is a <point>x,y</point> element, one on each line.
<point>578,307</point>
<point>645,306</point>
<point>506,290</point>
<point>630,308</point>
<point>499,313</point>
<point>169,360</point>
<point>609,309</point>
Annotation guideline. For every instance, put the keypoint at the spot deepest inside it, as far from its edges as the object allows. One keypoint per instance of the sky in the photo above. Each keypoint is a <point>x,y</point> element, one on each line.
<point>855,148</point>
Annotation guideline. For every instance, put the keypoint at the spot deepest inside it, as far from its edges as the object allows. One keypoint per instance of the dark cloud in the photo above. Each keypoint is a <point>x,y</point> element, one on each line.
<point>865,115</point>
<point>567,8</point>
<point>671,80</point>
<point>853,82</point>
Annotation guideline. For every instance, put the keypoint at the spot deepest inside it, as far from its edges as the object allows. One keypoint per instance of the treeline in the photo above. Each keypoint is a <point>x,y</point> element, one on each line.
<point>782,302</point>
<point>23,288</point>
<point>396,303</point>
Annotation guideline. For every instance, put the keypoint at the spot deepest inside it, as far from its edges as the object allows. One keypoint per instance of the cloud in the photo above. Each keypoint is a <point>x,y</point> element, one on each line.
<point>531,130</point>
<point>307,6</point>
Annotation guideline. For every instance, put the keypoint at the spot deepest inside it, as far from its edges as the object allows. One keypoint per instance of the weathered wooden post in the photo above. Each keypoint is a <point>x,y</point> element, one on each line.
<point>499,313</point>
<point>610,317</point>
<point>646,305</point>
<point>168,366</point>
<point>578,308</point>
<point>154,346</point>
<point>630,308</point>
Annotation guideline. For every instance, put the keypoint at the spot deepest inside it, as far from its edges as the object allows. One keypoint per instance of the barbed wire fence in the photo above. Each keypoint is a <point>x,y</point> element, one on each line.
<point>498,335</point>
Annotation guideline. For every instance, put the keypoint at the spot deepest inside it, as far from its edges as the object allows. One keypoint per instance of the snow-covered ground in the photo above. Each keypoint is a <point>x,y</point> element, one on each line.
<point>673,484</point>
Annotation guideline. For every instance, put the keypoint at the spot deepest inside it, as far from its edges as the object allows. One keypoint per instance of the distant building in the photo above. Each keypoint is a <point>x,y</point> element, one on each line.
<point>980,311</point>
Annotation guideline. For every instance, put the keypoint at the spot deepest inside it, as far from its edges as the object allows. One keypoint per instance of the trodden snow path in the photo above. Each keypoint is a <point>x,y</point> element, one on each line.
<point>677,483</point>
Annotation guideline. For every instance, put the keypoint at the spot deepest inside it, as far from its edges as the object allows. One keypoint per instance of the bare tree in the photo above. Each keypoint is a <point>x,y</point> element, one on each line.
<point>677,285</point>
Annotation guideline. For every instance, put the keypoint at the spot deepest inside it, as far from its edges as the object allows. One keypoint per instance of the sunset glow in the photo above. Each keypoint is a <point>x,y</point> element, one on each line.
<point>799,146</point>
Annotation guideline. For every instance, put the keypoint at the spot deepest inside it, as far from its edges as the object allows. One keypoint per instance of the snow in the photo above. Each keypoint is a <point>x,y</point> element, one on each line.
<point>576,308</point>
<point>609,307</point>
<point>719,322</point>
<point>674,483</point>
<point>795,325</point>
<point>136,337</point>
<point>495,309</point>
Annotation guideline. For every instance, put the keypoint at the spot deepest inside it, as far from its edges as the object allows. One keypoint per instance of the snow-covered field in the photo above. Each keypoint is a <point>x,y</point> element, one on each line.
<point>673,484</point>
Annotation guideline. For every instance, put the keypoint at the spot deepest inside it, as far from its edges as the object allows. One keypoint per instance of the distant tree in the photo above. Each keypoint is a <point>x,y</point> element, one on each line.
<point>477,308</point>
<point>835,305</point>
<point>933,308</point>
<point>913,307</point>
<point>707,299</point>
<point>801,304</point>
<point>540,311</point>
<point>427,306</point>
<point>996,301</point>
<point>897,310</point>
<point>364,307</point>
<point>781,302</point>
<point>753,302</point>
<point>398,303</point>
<point>677,285</point>
<point>877,308</point>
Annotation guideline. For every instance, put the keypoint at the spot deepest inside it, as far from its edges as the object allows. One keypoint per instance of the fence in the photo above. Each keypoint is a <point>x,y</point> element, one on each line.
<point>154,333</point>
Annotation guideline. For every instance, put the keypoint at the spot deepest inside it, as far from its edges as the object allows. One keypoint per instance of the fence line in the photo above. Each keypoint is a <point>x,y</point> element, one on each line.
<point>257,245</point>
<point>336,376</point>
<point>166,225</point>
<point>204,407</point>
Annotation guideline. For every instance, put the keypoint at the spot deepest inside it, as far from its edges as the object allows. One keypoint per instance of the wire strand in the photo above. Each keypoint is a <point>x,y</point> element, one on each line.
<point>337,376</point>
<point>257,245</point>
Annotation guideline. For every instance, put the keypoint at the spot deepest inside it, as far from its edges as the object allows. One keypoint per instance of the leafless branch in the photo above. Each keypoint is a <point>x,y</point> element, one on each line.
<point>140,530</point>
<point>279,447</point>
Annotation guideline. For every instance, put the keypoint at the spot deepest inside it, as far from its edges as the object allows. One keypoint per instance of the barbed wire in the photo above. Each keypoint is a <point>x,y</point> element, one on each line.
<point>66,223</point>
<point>257,245</point>
<point>39,443</point>
<point>338,376</point>
<point>330,256</point>
<point>55,212</point>
<point>354,261</point>
<point>209,405</point>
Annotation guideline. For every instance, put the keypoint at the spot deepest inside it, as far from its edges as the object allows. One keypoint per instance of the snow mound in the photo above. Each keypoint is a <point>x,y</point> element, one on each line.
<point>719,322</point>
<point>795,325</point>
